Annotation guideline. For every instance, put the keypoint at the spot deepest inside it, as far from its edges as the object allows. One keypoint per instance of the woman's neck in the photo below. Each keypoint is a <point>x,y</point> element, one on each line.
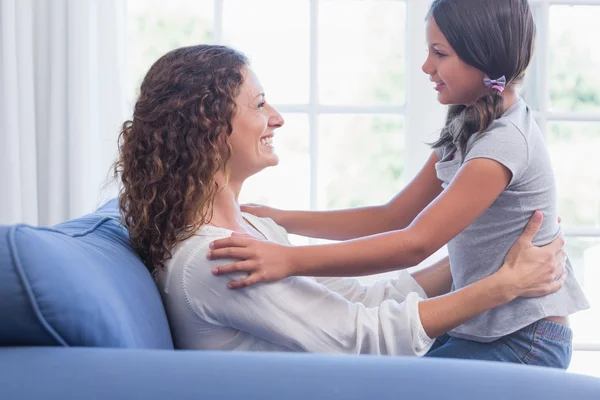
<point>226,211</point>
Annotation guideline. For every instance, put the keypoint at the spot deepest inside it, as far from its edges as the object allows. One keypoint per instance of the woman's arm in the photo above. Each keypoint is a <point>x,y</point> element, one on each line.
<point>436,279</point>
<point>432,281</point>
<point>375,293</point>
<point>528,271</point>
<point>301,314</point>
<point>397,214</point>
<point>444,313</point>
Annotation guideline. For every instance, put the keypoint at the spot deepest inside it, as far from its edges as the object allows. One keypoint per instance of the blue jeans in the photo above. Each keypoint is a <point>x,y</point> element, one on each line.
<point>543,343</point>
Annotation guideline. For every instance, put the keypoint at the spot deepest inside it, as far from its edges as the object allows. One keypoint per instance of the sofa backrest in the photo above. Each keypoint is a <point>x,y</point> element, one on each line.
<point>78,284</point>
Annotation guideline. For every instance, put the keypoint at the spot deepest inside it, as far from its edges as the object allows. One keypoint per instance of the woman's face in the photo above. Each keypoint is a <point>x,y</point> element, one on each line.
<point>253,130</point>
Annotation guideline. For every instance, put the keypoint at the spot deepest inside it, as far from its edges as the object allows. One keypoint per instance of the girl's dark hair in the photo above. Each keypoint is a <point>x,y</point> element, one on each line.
<point>171,150</point>
<point>495,36</point>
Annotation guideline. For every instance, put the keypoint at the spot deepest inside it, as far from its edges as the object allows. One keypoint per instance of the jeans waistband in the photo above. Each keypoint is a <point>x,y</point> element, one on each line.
<point>550,330</point>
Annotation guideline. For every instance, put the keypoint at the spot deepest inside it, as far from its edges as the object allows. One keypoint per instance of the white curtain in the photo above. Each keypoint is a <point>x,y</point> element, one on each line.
<point>62,101</point>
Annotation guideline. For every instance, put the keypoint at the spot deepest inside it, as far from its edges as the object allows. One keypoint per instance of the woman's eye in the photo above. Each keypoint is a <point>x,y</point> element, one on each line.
<point>261,104</point>
<point>437,53</point>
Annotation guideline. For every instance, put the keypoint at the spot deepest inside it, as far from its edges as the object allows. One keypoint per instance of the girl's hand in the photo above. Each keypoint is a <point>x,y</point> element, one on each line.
<point>264,261</point>
<point>532,271</point>
<point>262,211</point>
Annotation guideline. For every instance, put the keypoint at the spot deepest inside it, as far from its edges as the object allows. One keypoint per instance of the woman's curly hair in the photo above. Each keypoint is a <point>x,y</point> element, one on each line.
<point>177,141</point>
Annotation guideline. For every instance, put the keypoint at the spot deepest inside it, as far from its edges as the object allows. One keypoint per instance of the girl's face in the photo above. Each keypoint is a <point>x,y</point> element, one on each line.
<point>455,81</point>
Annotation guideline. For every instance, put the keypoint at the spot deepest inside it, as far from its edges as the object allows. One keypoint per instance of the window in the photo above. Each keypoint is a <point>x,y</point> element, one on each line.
<point>564,88</point>
<point>337,71</point>
<point>346,76</point>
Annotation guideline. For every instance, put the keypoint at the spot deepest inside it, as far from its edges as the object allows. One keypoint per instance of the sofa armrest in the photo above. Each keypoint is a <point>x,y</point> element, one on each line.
<point>95,373</point>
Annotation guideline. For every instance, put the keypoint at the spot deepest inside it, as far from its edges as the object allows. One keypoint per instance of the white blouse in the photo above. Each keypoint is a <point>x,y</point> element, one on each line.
<point>326,315</point>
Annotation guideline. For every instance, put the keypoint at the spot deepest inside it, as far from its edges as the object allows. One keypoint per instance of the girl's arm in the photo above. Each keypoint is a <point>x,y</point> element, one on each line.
<point>397,214</point>
<point>475,187</point>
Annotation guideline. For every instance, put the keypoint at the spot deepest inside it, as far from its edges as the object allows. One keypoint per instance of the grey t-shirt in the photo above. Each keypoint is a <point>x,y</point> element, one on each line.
<point>515,141</point>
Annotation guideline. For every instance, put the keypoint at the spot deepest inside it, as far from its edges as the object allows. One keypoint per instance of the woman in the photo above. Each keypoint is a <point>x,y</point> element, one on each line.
<point>201,127</point>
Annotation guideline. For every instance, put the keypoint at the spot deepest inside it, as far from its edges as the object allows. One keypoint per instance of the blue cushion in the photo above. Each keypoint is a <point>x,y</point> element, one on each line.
<point>78,284</point>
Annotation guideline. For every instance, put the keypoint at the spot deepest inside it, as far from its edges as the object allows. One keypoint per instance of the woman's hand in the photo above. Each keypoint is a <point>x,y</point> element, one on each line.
<point>534,271</point>
<point>264,261</point>
<point>262,211</point>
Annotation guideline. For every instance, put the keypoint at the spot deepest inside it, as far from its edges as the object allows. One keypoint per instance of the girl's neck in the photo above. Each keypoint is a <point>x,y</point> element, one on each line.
<point>510,96</point>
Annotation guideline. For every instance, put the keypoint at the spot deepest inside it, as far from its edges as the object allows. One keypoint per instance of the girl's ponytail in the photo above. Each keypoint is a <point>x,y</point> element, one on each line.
<point>462,122</point>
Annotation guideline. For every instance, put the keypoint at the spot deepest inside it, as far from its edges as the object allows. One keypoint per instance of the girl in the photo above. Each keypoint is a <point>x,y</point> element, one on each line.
<point>488,173</point>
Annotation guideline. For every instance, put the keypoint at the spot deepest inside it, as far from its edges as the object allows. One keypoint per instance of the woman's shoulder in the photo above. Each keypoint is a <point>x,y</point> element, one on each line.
<point>188,259</point>
<point>190,252</point>
<point>197,243</point>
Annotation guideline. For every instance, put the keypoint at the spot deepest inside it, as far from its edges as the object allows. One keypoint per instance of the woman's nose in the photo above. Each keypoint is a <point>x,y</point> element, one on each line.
<point>276,120</point>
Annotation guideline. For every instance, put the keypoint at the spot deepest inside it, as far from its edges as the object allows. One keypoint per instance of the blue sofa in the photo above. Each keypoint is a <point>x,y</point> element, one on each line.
<point>80,318</point>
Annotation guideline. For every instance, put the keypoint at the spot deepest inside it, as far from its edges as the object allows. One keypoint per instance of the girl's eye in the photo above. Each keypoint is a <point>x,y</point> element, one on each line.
<point>437,53</point>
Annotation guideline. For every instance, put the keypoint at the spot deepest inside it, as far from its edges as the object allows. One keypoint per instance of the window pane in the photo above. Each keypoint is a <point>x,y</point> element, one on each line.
<point>155,27</point>
<point>574,66</point>
<point>361,52</point>
<point>574,150</point>
<point>275,35</point>
<point>533,78</point>
<point>361,159</point>
<point>585,363</point>
<point>584,254</point>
